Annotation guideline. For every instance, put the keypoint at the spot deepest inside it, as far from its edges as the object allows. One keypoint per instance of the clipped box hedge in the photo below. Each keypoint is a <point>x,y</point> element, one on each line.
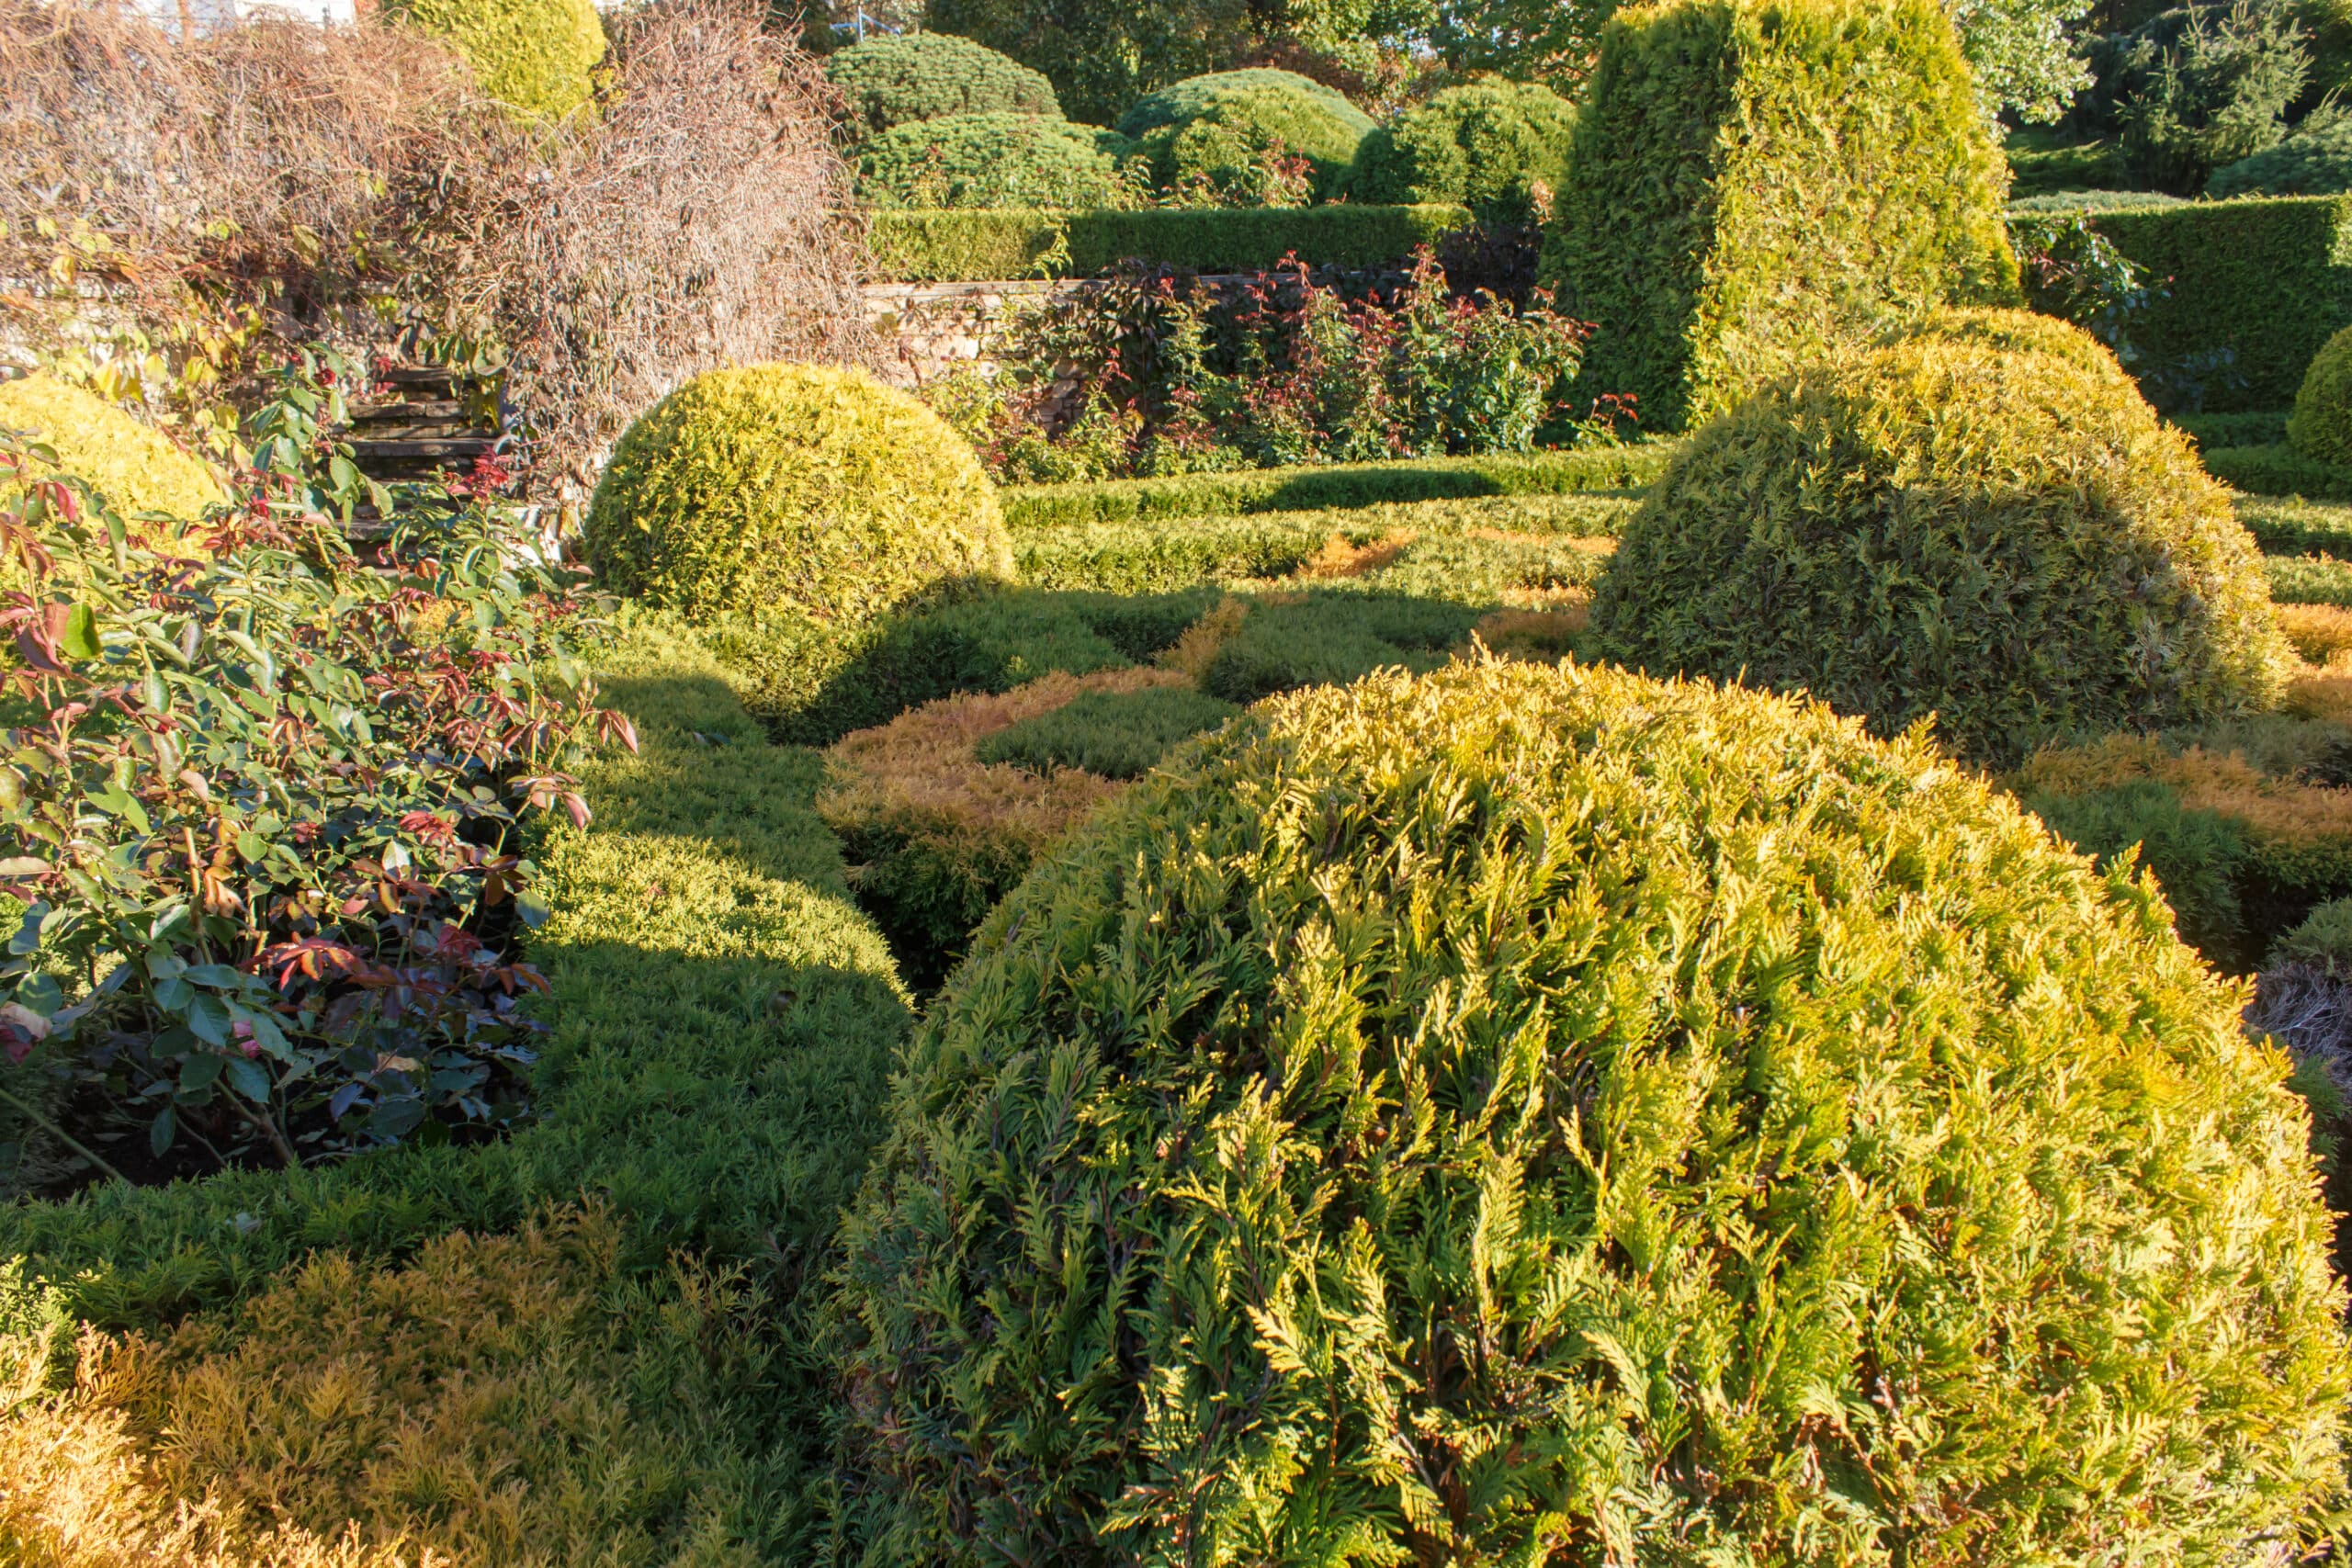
<point>1310,488</point>
<point>2268,279</point>
<point>960,246</point>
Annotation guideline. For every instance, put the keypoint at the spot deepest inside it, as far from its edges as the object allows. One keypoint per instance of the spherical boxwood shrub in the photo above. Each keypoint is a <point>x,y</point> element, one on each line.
<point>796,487</point>
<point>1204,127</point>
<point>533,54</point>
<point>2321,426</point>
<point>133,467</point>
<point>2005,539</point>
<point>993,159</point>
<point>1500,149</point>
<point>1449,1117</point>
<point>894,80</point>
<point>2019,331</point>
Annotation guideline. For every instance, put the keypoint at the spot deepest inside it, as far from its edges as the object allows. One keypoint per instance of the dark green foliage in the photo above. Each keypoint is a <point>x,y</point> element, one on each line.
<point>890,81</point>
<point>2042,162</point>
<point>1432,1118</point>
<point>957,246</point>
<point>2249,289</point>
<point>1120,735</point>
<point>1757,179</point>
<point>1219,154</point>
<point>1329,638</point>
<point>2321,426</point>
<point>1499,148</point>
<point>2093,201</point>
<point>2316,160</point>
<point>724,1020</point>
<point>1188,99</point>
<point>2256,427</point>
<point>2278,469</point>
<point>2200,88</point>
<point>2009,540</point>
<point>991,642</point>
<point>1343,485</point>
<point>2324,939</point>
<point>995,160</point>
<point>2195,854</point>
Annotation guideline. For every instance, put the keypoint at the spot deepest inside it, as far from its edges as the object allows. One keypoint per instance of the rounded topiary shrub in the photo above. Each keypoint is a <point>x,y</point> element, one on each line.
<point>2321,426</point>
<point>133,467</point>
<point>1448,1118</point>
<point>2019,331</point>
<point>896,81</point>
<point>533,54</point>
<point>993,159</point>
<point>1500,149</point>
<point>796,487</point>
<point>2007,539</point>
<point>1207,128</point>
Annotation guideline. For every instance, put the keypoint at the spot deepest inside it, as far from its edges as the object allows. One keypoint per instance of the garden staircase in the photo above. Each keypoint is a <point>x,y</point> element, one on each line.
<point>417,427</point>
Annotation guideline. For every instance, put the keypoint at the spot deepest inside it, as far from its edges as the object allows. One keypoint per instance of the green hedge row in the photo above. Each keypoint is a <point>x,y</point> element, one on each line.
<point>2310,579</point>
<point>724,1019</point>
<point>1338,485</point>
<point>2265,280</point>
<point>955,245</point>
<point>2294,528</point>
<point>2278,469</point>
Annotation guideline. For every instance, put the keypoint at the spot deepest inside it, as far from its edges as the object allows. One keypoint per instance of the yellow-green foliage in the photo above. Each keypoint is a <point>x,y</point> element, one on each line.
<point>1442,1119</point>
<point>2321,426</point>
<point>534,54</point>
<point>505,1401</point>
<point>796,487</point>
<point>2019,331</point>
<point>132,466</point>
<point>2008,540</point>
<point>1756,177</point>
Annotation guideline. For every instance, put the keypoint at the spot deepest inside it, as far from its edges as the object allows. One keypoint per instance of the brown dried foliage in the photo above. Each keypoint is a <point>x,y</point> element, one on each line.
<point>698,216</point>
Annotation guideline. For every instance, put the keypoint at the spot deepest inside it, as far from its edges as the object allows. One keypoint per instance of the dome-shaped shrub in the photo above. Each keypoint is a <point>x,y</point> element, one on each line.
<point>2321,426</point>
<point>1443,1116</point>
<point>792,486</point>
<point>2019,331</point>
<point>2010,540</point>
<point>1204,127</point>
<point>993,159</point>
<point>894,80</point>
<point>534,54</point>
<point>133,467</point>
<point>1499,148</point>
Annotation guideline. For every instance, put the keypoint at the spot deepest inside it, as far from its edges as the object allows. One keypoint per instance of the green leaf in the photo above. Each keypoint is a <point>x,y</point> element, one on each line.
<point>249,1078</point>
<point>210,1018</point>
<point>80,637</point>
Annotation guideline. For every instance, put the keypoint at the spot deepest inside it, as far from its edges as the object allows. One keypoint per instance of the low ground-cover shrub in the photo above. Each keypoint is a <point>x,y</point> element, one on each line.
<point>792,487</point>
<point>1576,471</point>
<point>1368,1103</point>
<point>1499,148</point>
<point>135,469</point>
<point>2069,569</point>
<point>994,160</point>
<point>2292,526</point>
<point>1118,735</point>
<point>1753,182</point>
<point>937,828</point>
<point>1328,638</point>
<point>261,809</point>
<point>892,80</point>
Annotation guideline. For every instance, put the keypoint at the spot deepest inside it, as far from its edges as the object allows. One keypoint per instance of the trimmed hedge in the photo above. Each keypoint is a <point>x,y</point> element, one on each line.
<point>2008,540</point>
<point>890,81</point>
<point>1442,1119</point>
<point>795,488</point>
<point>533,54</point>
<point>991,161</point>
<point>973,246</point>
<point>2258,283</point>
<point>1500,149</point>
<point>1575,471</point>
<point>2298,527</point>
<point>1757,179</point>
<point>2278,469</point>
<point>132,466</point>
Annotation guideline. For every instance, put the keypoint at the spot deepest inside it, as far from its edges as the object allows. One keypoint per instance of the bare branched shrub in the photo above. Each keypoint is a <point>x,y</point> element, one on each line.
<point>279,180</point>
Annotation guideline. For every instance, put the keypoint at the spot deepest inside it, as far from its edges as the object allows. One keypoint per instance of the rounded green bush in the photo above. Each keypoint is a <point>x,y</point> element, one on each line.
<point>2005,539</point>
<point>2020,331</point>
<point>794,487</point>
<point>1499,148</point>
<point>133,467</point>
<point>993,159</point>
<point>919,76</point>
<point>2321,426</point>
<point>533,54</point>
<point>1212,127</point>
<point>1449,1117</point>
